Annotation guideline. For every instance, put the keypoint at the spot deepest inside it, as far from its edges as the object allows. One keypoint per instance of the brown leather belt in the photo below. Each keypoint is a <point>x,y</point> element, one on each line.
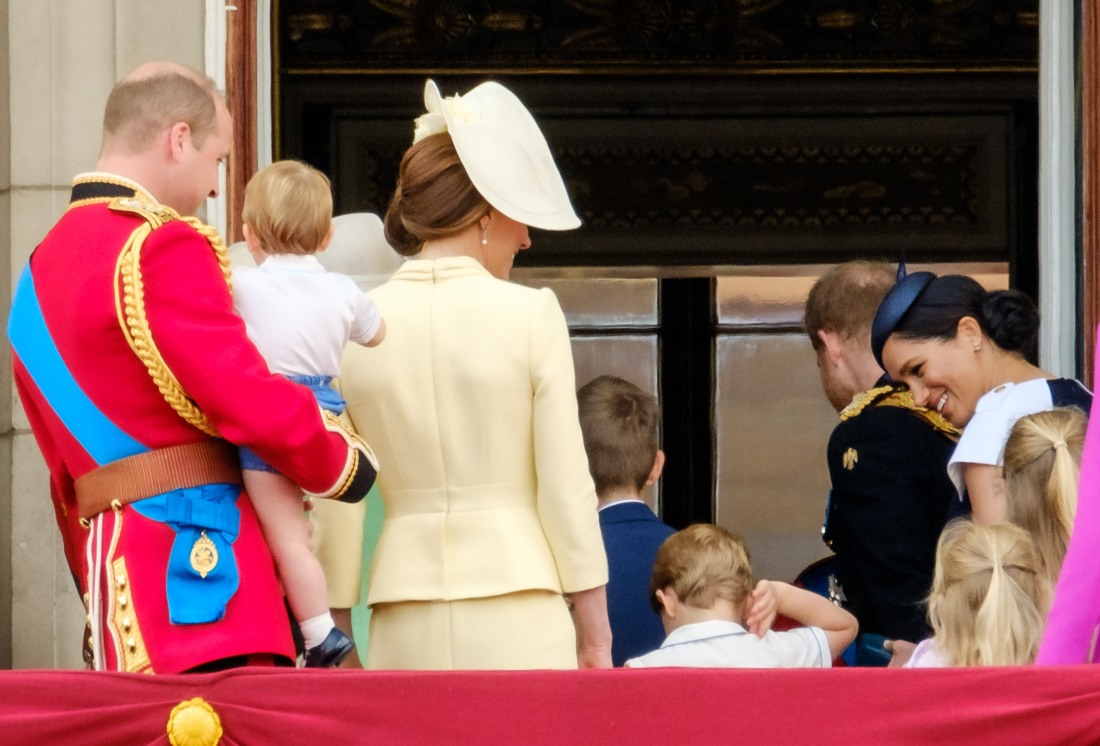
<point>156,472</point>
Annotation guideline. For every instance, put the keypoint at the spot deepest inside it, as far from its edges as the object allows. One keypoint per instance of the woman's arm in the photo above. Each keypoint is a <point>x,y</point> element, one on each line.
<point>593,628</point>
<point>985,485</point>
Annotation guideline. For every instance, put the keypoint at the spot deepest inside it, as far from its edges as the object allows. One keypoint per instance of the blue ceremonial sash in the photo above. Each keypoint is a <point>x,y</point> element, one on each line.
<point>30,338</point>
<point>209,511</point>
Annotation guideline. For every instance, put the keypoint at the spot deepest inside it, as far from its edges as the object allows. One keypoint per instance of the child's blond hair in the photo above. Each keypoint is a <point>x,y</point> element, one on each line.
<point>1042,462</point>
<point>288,205</point>
<point>989,595</point>
<point>702,563</point>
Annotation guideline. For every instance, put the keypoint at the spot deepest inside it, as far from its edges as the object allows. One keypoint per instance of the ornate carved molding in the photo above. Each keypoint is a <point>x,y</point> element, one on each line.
<point>744,35</point>
<point>660,190</point>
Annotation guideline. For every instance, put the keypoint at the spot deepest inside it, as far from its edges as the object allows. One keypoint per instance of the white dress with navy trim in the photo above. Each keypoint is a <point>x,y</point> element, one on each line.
<point>983,440</point>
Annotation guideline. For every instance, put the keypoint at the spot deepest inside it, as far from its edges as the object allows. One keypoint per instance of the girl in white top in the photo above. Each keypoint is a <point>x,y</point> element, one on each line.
<point>970,355</point>
<point>989,598</point>
<point>300,318</point>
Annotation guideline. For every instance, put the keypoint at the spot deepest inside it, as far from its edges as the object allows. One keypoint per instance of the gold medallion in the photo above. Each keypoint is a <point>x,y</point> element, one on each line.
<point>204,555</point>
<point>194,723</point>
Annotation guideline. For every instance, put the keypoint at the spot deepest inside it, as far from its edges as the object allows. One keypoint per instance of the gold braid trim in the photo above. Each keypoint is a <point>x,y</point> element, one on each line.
<point>890,396</point>
<point>130,302</point>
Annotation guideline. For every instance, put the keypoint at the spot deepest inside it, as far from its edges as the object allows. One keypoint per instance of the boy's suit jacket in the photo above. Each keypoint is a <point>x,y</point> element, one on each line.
<point>631,535</point>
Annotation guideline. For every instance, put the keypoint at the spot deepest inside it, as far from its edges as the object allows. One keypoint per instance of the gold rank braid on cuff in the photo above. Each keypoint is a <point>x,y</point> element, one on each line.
<point>130,303</point>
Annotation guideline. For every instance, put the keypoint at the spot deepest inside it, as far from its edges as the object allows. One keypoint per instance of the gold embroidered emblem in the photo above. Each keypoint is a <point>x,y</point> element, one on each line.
<point>851,457</point>
<point>204,555</point>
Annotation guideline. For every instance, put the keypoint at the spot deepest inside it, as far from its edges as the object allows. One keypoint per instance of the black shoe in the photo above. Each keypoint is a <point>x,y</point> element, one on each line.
<point>330,652</point>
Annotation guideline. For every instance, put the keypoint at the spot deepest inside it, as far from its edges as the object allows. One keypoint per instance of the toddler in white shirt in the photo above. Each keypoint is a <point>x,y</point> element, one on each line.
<point>300,318</point>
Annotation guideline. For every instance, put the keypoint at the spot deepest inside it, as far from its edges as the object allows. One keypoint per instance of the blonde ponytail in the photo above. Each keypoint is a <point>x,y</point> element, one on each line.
<point>989,595</point>
<point>1042,462</point>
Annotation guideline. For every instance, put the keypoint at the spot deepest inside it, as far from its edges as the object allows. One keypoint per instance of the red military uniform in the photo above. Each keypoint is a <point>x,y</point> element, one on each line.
<point>185,316</point>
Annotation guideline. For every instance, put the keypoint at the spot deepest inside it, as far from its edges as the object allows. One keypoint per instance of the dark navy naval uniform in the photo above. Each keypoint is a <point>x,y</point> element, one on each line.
<point>890,499</point>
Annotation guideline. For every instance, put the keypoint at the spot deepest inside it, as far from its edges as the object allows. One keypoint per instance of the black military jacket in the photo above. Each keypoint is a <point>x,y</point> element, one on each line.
<point>890,499</point>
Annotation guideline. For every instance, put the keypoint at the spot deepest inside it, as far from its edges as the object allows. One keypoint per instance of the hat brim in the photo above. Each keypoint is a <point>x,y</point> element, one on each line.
<point>894,308</point>
<point>506,156</point>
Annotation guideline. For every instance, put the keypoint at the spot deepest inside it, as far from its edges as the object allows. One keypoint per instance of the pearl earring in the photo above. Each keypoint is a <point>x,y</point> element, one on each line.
<point>485,236</point>
<point>977,346</point>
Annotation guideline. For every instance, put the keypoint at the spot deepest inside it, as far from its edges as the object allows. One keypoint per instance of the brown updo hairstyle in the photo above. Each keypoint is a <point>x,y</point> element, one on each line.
<point>434,197</point>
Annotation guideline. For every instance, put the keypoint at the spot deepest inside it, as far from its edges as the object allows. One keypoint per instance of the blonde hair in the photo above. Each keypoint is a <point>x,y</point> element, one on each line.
<point>1042,463</point>
<point>702,563</point>
<point>139,108</point>
<point>989,595</point>
<point>288,205</point>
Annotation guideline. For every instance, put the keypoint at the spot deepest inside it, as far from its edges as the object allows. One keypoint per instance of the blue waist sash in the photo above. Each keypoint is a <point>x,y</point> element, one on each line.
<point>198,514</point>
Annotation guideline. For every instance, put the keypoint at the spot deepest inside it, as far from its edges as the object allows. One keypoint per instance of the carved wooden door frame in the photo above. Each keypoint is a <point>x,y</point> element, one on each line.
<point>240,94</point>
<point>1090,176</point>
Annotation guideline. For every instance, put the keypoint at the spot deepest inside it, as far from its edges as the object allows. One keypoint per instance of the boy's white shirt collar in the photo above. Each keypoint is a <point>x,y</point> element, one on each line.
<point>703,631</point>
<point>619,501</point>
<point>292,263</point>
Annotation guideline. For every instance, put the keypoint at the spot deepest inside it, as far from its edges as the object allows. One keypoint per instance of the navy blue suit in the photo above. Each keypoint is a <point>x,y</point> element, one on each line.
<point>631,536</point>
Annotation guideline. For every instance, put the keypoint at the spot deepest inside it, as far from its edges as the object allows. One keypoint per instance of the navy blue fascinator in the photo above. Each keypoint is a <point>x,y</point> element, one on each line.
<point>894,307</point>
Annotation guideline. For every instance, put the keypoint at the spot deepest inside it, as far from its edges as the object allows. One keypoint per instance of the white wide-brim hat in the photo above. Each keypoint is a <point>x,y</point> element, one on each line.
<point>504,153</point>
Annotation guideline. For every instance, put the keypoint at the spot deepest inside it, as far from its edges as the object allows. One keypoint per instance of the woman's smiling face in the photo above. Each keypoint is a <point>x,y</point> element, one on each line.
<point>944,375</point>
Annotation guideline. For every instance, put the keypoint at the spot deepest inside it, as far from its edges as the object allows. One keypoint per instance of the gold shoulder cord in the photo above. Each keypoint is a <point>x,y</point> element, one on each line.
<point>130,302</point>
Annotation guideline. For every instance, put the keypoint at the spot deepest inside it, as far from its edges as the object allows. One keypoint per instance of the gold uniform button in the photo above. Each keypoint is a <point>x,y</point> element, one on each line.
<point>123,600</point>
<point>121,581</point>
<point>126,624</point>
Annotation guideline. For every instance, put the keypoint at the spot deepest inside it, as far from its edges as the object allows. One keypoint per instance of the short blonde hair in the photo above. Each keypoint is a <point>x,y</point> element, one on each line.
<point>1042,463</point>
<point>288,205</point>
<point>702,564</point>
<point>140,108</point>
<point>989,595</point>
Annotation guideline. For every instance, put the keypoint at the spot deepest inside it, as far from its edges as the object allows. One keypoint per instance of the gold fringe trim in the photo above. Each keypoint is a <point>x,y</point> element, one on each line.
<point>130,302</point>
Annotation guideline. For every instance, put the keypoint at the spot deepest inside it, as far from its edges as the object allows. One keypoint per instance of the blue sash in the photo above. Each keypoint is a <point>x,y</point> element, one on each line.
<point>209,511</point>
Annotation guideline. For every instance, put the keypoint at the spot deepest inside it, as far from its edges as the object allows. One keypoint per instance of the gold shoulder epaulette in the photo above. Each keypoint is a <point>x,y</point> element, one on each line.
<point>130,300</point>
<point>863,400</point>
<point>904,398</point>
<point>154,214</point>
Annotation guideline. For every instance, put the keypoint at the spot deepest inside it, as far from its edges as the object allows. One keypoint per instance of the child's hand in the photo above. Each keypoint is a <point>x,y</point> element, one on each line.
<point>761,607</point>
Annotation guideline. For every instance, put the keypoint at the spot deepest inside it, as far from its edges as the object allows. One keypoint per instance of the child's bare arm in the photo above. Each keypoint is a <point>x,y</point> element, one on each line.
<point>812,610</point>
<point>378,335</point>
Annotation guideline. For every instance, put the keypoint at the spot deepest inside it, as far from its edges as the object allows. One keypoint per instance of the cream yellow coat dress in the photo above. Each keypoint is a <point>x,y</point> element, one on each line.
<point>490,512</point>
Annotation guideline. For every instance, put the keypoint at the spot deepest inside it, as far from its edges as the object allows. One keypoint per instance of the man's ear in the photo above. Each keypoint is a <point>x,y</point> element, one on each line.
<point>179,137</point>
<point>658,467</point>
<point>834,346</point>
